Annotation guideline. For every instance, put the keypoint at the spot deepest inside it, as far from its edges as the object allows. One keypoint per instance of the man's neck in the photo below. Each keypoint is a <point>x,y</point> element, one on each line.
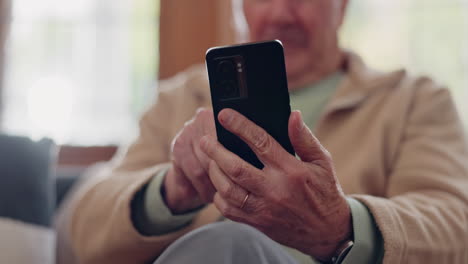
<point>330,66</point>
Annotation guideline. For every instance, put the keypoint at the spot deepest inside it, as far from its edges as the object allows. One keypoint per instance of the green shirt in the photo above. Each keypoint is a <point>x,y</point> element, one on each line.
<point>152,217</point>
<point>311,100</point>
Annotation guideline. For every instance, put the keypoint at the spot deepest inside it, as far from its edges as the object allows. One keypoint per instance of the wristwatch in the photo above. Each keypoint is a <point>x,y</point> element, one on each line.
<point>342,251</point>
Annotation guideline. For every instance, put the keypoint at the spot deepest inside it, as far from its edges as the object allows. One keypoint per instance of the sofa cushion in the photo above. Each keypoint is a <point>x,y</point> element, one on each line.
<point>27,184</point>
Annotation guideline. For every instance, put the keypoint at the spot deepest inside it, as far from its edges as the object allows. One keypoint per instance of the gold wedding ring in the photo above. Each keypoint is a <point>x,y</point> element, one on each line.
<point>245,200</point>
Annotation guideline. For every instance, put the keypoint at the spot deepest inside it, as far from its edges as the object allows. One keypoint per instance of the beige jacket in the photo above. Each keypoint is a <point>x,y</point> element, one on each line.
<point>397,143</point>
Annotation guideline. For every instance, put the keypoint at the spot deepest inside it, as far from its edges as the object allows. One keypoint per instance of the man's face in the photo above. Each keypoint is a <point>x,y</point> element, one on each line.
<point>307,29</point>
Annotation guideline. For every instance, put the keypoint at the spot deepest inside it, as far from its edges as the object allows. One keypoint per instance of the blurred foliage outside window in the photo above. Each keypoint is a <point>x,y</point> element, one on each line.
<point>81,72</point>
<point>426,37</point>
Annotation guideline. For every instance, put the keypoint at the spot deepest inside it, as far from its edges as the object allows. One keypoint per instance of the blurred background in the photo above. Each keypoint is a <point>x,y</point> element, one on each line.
<point>82,72</point>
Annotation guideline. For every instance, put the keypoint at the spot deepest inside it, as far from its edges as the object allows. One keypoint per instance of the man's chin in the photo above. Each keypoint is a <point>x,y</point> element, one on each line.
<point>294,61</point>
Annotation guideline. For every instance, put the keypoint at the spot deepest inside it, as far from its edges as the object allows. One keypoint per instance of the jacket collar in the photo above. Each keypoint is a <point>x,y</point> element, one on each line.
<point>359,83</point>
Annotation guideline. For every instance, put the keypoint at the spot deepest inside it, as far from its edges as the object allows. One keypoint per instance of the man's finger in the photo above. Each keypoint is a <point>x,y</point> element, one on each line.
<point>228,210</point>
<point>247,214</point>
<point>238,170</point>
<point>305,144</point>
<point>267,149</point>
<point>205,126</point>
<point>225,186</point>
<point>185,157</point>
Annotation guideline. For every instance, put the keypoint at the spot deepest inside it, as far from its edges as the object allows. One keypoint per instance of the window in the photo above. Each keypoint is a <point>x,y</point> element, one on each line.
<point>80,72</point>
<point>83,71</point>
<point>425,36</point>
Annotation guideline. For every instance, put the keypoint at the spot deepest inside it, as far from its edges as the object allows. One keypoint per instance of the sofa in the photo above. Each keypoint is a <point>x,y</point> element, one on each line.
<point>31,190</point>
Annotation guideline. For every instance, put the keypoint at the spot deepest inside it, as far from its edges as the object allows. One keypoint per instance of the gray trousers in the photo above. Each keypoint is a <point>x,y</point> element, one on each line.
<point>225,243</point>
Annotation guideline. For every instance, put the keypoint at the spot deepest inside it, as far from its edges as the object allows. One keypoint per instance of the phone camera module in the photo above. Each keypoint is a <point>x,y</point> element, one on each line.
<point>228,79</point>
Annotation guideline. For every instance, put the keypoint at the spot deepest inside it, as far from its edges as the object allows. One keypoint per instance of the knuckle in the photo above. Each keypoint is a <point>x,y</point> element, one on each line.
<point>188,124</point>
<point>202,114</point>
<point>298,179</point>
<point>227,191</point>
<point>261,141</point>
<point>198,173</point>
<point>182,138</point>
<point>180,149</point>
<point>238,169</point>
<point>200,110</point>
<point>178,144</point>
<point>198,114</point>
<point>189,129</point>
<point>227,211</point>
<point>298,176</point>
<point>208,147</point>
<point>279,198</point>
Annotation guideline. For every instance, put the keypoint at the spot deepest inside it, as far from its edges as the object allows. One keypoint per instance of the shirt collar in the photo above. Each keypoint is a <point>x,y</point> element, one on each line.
<point>359,82</point>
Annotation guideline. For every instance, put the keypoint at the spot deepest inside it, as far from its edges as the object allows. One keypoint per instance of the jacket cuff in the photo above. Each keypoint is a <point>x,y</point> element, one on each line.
<point>152,216</point>
<point>368,242</point>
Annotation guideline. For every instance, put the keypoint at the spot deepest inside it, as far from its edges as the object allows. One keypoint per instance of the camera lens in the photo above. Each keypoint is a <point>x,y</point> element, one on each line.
<point>229,88</point>
<point>227,79</point>
<point>226,68</point>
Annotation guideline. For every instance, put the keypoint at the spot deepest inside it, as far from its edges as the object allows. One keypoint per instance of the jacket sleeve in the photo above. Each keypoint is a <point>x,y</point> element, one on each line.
<point>101,228</point>
<point>424,217</point>
<point>151,216</point>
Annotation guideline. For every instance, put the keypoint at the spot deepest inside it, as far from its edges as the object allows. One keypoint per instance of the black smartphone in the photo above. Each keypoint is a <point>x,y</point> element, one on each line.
<point>251,79</point>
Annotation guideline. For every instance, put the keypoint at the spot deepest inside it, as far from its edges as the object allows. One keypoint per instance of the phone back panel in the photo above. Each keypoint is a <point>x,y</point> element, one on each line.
<point>260,92</point>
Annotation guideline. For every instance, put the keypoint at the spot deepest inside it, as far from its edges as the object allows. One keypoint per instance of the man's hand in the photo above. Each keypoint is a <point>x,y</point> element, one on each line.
<point>187,185</point>
<point>298,203</point>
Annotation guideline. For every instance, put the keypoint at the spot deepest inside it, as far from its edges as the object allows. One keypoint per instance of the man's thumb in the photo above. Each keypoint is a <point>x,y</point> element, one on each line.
<point>306,145</point>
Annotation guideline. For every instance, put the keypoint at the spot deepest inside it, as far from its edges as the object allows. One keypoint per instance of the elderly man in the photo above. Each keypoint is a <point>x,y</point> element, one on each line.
<point>393,189</point>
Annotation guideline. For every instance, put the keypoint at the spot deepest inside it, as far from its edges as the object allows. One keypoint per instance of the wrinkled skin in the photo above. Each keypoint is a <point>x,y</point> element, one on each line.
<point>298,203</point>
<point>187,185</point>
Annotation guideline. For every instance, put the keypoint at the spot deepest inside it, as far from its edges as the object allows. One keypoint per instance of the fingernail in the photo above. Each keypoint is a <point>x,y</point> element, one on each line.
<point>301,124</point>
<point>225,116</point>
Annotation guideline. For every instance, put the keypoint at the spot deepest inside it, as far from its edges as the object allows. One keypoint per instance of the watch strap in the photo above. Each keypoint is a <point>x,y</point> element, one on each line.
<point>342,251</point>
